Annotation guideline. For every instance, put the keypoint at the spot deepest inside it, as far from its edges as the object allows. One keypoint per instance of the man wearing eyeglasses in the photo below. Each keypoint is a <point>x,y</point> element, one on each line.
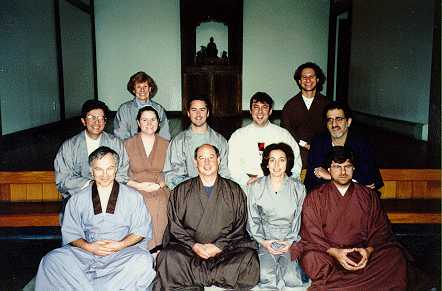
<point>72,171</point>
<point>346,237</point>
<point>337,115</point>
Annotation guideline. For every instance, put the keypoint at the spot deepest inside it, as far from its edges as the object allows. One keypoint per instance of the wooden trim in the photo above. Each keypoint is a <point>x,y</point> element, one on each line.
<point>411,174</point>
<point>59,50</point>
<point>28,177</point>
<point>94,48</point>
<point>80,5</point>
<point>414,217</point>
<point>33,219</point>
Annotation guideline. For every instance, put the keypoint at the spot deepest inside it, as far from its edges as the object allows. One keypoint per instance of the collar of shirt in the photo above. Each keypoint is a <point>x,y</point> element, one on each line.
<point>92,144</point>
<point>141,103</point>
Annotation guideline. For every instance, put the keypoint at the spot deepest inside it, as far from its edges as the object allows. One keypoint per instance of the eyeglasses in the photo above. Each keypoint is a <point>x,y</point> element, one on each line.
<point>339,167</point>
<point>337,120</point>
<point>95,118</point>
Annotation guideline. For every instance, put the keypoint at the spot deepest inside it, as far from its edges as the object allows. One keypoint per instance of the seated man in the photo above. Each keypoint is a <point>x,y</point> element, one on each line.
<point>346,237</point>
<point>338,118</point>
<point>207,242</point>
<point>72,171</point>
<point>179,165</point>
<point>247,144</point>
<point>104,233</point>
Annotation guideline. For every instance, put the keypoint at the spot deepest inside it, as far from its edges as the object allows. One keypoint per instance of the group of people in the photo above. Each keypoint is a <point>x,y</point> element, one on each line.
<point>142,211</point>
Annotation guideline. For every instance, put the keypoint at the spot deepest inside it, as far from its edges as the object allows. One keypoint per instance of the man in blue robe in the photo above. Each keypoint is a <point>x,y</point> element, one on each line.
<point>338,118</point>
<point>104,233</point>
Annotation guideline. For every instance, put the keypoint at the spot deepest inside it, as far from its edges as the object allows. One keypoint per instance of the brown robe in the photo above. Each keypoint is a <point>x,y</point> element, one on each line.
<point>353,220</point>
<point>143,168</point>
<point>221,220</point>
<point>304,123</point>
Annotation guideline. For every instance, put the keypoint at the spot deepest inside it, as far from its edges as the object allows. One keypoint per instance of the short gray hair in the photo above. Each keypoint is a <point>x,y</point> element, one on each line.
<point>99,153</point>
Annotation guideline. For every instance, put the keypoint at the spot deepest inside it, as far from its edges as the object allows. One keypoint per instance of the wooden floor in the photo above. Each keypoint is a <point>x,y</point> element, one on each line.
<point>35,149</point>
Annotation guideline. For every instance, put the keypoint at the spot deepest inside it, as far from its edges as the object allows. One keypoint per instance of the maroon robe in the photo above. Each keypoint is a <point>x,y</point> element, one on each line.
<point>330,220</point>
<point>304,123</point>
<point>221,219</point>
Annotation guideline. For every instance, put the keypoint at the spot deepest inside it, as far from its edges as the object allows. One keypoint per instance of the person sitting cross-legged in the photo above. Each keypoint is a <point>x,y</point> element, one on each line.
<point>346,238</point>
<point>274,203</point>
<point>206,242</point>
<point>104,234</point>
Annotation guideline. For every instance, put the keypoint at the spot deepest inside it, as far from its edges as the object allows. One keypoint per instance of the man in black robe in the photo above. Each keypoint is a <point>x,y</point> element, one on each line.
<point>206,242</point>
<point>338,118</point>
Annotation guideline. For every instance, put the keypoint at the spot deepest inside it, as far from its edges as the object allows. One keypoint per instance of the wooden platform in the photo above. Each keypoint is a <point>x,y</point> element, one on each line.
<point>410,196</point>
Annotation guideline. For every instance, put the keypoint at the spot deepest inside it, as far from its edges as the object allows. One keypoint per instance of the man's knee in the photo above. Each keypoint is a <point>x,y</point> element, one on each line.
<point>317,265</point>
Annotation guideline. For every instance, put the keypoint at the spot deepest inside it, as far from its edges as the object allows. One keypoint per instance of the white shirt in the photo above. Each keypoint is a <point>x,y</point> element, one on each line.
<point>92,144</point>
<point>245,157</point>
<point>104,194</point>
<point>308,101</point>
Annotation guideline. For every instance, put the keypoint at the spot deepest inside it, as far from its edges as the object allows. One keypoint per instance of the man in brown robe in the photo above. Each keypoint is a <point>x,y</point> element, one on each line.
<point>346,238</point>
<point>206,242</point>
<point>302,114</point>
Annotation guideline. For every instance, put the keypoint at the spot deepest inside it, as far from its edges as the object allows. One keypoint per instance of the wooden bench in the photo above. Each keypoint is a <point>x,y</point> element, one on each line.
<point>31,199</point>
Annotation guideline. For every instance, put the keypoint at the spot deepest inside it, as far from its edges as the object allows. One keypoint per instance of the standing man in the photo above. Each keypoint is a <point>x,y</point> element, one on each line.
<point>247,144</point>
<point>72,170</point>
<point>302,114</point>
<point>104,234</point>
<point>207,242</point>
<point>179,165</point>
<point>337,116</point>
<point>346,238</point>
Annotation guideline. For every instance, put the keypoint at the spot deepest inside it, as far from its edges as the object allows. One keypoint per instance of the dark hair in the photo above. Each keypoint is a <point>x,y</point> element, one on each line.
<point>141,77</point>
<point>101,152</point>
<point>337,105</point>
<point>261,97</point>
<point>206,144</point>
<point>288,154</point>
<point>199,98</point>
<point>148,108</point>
<point>340,154</point>
<point>93,104</point>
<point>318,72</point>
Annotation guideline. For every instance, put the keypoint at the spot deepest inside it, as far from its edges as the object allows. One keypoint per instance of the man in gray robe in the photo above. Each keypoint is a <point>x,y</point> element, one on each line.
<point>179,165</point>
<point>206,242</point>
<point>72,171</point>
<point>104,233</point>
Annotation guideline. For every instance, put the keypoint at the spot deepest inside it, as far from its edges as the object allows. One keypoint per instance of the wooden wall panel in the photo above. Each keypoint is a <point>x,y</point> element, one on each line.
<point>419,189</point>
<point>389,190</point>
<point>34,192</point>
<point>5,192</point>
<point>404,190</point>
<point>18,192</point>
<point>433,190</point>
<point>50,193</point>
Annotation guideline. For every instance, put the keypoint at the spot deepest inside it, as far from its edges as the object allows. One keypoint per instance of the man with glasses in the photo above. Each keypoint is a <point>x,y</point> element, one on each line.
<point>247,144</point>
<point>346,237</point>
<point>302,114</point>
<point>72,171</point>
<point>338,118</point>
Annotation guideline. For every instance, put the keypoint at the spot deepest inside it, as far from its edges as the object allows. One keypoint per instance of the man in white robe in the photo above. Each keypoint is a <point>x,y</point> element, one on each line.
<point>179,165</point>
<point>247,144</point>
<point>72,171</point>
<point>104,233</point>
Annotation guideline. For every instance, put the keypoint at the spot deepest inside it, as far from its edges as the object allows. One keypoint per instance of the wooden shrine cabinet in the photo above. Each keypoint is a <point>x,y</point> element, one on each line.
<point>220,79</point>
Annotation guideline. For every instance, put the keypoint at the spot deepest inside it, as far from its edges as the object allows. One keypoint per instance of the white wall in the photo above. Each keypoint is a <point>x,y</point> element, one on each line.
<point>138,35</point>
<point>28,65</point>
<point>391,58</point>
<point>280,35</point>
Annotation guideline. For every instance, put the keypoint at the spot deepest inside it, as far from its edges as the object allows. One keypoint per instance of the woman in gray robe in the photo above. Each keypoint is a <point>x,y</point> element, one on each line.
<point>274,206</point>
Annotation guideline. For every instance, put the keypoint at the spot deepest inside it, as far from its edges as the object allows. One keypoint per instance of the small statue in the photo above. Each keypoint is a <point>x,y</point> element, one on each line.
<point>212,51</point>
